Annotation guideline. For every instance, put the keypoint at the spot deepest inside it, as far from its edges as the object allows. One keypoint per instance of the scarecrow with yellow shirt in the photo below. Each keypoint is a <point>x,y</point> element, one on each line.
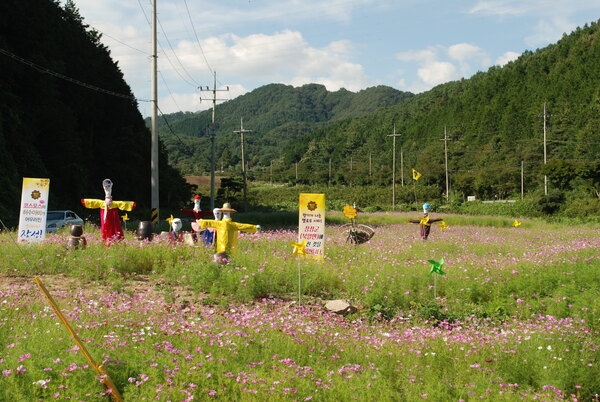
<point>226,233</point>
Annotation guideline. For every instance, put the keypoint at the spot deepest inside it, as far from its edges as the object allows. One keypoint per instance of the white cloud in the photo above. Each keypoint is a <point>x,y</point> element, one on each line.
<point>506,58</point>
<point>437,72</point>
<point>501,7</point>
<point>436,65</point>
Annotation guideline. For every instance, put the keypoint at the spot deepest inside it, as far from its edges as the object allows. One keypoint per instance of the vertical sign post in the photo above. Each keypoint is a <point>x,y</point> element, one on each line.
<point>311,224</point>
<point>34,204</point>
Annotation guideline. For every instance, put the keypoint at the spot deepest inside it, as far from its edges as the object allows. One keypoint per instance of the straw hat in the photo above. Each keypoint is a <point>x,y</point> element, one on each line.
<point>227,208</point>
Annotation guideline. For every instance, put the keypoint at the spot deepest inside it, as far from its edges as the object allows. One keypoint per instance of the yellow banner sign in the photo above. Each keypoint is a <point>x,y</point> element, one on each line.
<point>311,224</point>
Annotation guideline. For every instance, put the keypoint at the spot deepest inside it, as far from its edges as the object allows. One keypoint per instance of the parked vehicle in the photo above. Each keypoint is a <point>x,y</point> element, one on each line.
<point>59,219</point>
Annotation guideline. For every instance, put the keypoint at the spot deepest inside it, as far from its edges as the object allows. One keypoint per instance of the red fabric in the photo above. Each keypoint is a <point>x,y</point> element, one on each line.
<point>110,223</point>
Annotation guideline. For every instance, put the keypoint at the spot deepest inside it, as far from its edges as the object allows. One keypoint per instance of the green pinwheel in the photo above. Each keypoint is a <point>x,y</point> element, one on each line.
<point>437,267</point>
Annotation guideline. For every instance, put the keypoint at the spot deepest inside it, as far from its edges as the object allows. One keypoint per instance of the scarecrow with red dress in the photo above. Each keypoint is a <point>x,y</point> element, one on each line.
<point>110,222</point>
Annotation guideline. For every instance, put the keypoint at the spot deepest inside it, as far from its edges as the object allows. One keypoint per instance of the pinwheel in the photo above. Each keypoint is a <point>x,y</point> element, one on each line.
<point>436,267</point>
<point>443,225</point>
<point>299,247</point>
<point>516,224</point>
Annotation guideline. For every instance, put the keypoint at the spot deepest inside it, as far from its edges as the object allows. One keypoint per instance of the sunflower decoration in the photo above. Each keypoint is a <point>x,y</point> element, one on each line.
<point>350,212</point>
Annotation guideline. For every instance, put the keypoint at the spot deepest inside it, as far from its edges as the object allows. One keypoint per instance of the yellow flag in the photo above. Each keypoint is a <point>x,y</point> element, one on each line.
<point>416,175</point>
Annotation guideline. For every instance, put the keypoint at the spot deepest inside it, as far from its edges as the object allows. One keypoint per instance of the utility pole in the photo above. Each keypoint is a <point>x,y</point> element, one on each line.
<point>445,139</point>
<point>154,203</point>
<point>212,137</point>
<point>402,166</point>
<point>545,177</point>
<point>522,182</point>
<point>241,131</point>
<point>394,135</point>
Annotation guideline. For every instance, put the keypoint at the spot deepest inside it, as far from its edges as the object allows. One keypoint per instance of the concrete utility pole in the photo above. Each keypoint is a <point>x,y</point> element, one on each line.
<point>545,177</point>
<point>394,135</point>
<point>445,139</point>
<point>241,132</point>
<point>212,138</point>
<point>154,203</point>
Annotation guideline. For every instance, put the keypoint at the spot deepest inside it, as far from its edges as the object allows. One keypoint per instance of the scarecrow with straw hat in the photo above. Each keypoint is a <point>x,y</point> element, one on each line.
<point>226,233</point>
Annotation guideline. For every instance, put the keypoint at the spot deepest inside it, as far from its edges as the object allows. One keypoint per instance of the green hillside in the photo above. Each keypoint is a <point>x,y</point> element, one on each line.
<point>490,129</point>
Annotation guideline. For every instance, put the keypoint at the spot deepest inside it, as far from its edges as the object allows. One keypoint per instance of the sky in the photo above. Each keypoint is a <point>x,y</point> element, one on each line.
<point>241,45</point>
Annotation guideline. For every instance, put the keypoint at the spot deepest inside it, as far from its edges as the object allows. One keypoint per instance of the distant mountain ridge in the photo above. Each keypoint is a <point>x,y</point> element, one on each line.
<point>275,113</point>
<point>480,136</point>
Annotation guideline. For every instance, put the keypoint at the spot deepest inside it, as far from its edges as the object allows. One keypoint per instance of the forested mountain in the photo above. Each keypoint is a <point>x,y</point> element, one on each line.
<point>276,114</point>
<point>490,129</point>
<point>67,114</point>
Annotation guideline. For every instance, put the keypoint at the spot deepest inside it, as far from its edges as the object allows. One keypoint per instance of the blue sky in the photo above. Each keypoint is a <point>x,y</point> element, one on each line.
<point>410,45</point>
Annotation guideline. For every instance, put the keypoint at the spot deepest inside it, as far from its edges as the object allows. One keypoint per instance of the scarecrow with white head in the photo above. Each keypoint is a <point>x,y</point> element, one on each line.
<point>226,232</point>
<point>426,221</point>
<point>110,222</point>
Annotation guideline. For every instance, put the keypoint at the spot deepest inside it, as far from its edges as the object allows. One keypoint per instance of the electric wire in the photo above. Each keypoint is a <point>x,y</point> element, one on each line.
<point>53,73</point>
<point>197,39</point>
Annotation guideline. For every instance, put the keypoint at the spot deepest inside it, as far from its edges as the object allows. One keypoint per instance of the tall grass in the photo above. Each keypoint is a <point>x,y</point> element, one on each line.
<point>515,317</point>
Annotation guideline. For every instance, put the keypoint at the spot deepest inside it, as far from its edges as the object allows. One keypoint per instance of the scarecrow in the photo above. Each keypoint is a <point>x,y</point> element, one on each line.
<point>110,222</point>
<point>226,233</point>
<point>175,234</point>
<point>426,221</point>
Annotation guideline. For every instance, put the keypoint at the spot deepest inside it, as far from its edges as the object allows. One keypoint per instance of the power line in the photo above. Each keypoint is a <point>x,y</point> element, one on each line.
<point>194,83</point>
<point>67,78</point>
<point>197,40</point>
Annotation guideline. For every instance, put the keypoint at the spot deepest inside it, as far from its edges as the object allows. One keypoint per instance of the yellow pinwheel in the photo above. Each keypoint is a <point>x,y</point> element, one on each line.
<point>299,247</point>
<point>516,224</point>
<point>125,218</point>
<point>170,220</point>
<point>443,225</point>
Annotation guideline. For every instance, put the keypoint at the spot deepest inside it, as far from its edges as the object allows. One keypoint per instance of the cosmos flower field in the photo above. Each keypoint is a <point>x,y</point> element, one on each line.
<point>514,318</point>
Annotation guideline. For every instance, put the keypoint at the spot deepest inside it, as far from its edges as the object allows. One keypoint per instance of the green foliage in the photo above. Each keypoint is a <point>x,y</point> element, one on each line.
<point>515,316</point>
<point>73,134</point>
